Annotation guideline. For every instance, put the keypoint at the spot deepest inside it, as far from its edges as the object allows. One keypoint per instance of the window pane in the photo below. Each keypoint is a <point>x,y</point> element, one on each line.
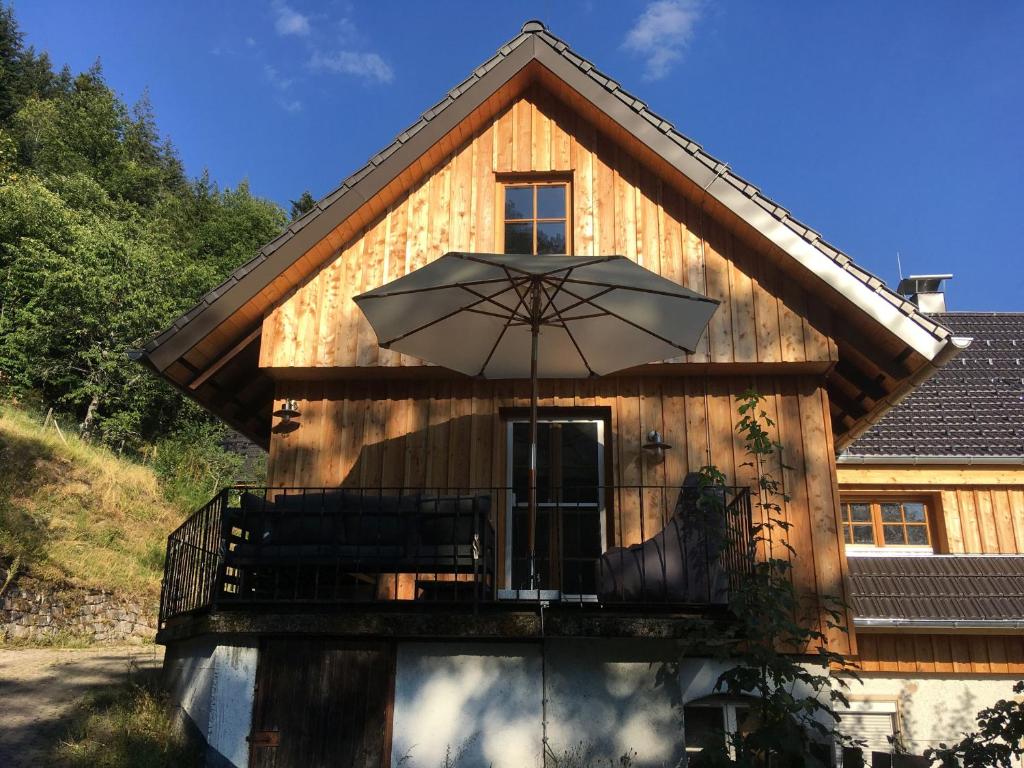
<point>519,238</point>
<point>891,513</point>
<point>914,512</point>
<point>579,462</point>
<point>550,237</point>
<point>703,727</point>
<point>893,534</point>
<point>860,513</point>
<point>551,202</point>
<point>917,534</point>
<point>519,203</point>
<point>863,534</point>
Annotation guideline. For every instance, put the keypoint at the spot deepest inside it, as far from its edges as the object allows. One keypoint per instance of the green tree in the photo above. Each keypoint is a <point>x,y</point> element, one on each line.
<point>303,205</point>
<point>103,242</point>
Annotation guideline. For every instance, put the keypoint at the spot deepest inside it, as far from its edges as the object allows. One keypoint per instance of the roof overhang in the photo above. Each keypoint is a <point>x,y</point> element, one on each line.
<point>886,345</point>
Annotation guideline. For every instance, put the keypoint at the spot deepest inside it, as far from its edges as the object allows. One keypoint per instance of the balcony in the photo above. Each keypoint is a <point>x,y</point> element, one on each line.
<point>329,549</point>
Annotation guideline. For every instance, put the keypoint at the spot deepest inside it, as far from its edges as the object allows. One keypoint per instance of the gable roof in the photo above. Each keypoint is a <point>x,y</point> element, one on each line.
<point>973,408</point>
<point>956,591</point>
<point>921,343</point>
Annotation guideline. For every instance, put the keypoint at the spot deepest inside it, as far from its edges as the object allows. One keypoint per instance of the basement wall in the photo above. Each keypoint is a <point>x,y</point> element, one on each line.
<point>213,687</point>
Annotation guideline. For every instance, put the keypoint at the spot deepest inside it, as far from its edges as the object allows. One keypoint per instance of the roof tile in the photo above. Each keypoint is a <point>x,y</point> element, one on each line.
<point>972,407</point>
<point>962,587</point>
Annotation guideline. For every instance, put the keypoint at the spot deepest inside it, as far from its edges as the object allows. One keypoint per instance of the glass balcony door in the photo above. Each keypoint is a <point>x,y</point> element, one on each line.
<point>570,506</point>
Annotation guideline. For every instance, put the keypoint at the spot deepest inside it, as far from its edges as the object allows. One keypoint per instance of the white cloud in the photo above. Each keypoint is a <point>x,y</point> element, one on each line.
<point>276,79</point>
<point>289,21</point>
<point>282,85</point>
<point>250,42</point>
<point>662,32</point>
<point>369,66</point>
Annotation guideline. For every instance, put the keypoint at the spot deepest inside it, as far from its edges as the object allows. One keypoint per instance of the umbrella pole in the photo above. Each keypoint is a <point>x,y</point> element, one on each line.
<point>534,397</point>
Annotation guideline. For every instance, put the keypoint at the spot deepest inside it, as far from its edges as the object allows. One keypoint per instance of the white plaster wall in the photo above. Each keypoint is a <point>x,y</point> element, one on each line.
<point>933,709</point>
<point>214,686</point>
<point>615,697</point>
<point>481,698</point>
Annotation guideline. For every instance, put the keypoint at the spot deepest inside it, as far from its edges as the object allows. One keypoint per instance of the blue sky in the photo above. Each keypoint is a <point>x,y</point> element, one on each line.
<point>885,126</point>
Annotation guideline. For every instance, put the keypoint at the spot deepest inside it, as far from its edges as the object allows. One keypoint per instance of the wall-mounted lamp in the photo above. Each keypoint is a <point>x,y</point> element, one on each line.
<point>655,447</point>
<point>289,410</point>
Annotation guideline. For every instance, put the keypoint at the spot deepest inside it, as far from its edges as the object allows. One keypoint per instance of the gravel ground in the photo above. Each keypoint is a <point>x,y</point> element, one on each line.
<point>39,688</point>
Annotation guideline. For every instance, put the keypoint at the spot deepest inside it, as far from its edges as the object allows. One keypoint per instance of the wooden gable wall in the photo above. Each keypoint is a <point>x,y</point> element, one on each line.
<point>619,207</point>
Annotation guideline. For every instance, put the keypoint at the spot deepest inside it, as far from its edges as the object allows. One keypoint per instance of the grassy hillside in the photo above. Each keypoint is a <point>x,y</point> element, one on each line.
<point>79,513</point>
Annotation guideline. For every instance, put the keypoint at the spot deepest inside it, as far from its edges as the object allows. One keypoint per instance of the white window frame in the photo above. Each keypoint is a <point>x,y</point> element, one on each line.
<point>729,705</point>
<point>510,505</point>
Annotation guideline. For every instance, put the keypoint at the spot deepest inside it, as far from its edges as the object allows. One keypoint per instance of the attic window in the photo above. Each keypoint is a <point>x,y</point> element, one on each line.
<point>536,217</point>
<point>886,523</point>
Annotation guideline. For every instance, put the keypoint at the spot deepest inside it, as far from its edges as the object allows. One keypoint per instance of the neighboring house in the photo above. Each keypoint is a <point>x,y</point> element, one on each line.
<point>933,518</point>
<point>371,607</point>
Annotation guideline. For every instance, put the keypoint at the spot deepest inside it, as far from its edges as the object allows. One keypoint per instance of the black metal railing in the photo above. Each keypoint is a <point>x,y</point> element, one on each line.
<point>330,546</point>
<point>194,559</point>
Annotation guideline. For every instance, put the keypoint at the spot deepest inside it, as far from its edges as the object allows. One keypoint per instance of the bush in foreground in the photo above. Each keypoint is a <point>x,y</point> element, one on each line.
<point>127,725</point>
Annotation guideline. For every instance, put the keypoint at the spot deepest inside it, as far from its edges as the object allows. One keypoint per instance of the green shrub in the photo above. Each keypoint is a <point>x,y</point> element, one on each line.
<point>193,465</point>
<point>127,725</point>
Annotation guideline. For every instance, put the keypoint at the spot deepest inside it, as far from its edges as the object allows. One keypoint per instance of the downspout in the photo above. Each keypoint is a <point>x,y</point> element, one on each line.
<point>951,349</point>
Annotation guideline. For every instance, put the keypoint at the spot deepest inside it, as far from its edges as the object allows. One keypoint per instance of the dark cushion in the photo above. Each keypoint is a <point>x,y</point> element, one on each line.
<point>371,518</point>
<point>294,518</point>
<point>450,519</point>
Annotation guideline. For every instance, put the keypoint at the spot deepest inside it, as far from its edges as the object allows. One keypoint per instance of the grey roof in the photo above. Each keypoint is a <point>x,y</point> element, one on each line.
<point>951,588</point>
<point>536,43</point>
<point>973,407</point>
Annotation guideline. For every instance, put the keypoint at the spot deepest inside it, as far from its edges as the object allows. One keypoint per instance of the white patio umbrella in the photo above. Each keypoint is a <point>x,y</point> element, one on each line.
<point>552,317</point>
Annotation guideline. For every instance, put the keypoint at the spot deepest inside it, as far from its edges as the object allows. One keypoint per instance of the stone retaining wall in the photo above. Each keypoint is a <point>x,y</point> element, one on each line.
<point>38,613</point>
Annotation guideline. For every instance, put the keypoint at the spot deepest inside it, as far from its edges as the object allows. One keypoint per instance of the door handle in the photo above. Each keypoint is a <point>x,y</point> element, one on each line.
<point>266,739</point>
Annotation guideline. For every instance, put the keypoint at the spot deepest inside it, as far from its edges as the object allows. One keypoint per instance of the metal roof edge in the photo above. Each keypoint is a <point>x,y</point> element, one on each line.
<point>859,459</point>
<point>868,622</point>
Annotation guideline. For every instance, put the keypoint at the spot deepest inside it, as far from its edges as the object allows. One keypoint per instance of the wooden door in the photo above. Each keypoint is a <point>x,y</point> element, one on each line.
<point>322,703</point>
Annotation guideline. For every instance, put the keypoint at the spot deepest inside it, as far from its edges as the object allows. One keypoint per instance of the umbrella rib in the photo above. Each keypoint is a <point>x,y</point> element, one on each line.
<point>435,321</point>
<point>583,301</point>
<point>551,298</point>
<point>616,286</point>
<point>568,333</point>
<point>427,289</point>
<point>501,335</point>
<point>639,327</point>
<point>490,299</point>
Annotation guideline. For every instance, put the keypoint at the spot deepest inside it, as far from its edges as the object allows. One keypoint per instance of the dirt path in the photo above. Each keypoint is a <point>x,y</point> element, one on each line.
<point>39,687</point>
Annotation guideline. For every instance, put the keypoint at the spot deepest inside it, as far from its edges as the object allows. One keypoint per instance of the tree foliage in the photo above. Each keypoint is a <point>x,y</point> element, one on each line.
<point>104,240</point>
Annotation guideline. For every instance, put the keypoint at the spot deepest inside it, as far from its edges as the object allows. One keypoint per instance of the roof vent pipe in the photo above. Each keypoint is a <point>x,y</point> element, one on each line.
<point>925,291</point>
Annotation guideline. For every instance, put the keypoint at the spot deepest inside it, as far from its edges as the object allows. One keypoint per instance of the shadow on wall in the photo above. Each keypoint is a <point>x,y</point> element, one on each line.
<point>947,719</point>
<point>483,704</point>
<point>612,696</point>
<point>424,451</point>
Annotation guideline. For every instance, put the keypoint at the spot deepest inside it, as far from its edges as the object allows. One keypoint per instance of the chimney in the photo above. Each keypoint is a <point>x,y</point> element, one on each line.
<point>925,291</point>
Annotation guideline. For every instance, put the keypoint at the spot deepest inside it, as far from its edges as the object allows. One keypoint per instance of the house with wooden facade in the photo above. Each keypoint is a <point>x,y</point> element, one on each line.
<point>932,511</point>
<point>371,606</point>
